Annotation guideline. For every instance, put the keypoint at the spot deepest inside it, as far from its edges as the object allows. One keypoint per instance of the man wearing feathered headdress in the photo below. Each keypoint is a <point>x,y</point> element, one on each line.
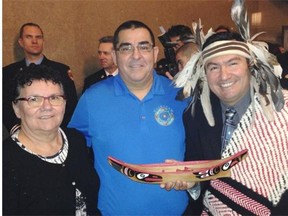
<point>237,103</point>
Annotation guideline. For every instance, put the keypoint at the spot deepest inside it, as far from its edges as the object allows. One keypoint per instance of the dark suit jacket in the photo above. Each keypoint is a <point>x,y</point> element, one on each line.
<point>9,72</point>
<point>203,142</point>
<point>94,78</point>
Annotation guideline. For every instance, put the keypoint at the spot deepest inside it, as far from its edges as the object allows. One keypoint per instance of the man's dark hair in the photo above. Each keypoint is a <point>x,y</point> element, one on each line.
<point>220,36</point>
<point>179,30</point>
<point>131,24</point>
<point>28,24</point>
<point>27,75</point>
<point>106,39</point>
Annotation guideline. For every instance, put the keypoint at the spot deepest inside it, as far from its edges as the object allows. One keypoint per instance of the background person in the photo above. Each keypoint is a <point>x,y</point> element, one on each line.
<point>184,53</point>
<point>46,170</point>
<point>31,39</point>
<point>178,36</point>
<point>109,68</point>
<point>141,106</point>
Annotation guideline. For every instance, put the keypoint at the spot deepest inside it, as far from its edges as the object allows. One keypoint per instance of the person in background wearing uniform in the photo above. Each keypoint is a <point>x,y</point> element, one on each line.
<point>109,68</point>
<point>31,39</point>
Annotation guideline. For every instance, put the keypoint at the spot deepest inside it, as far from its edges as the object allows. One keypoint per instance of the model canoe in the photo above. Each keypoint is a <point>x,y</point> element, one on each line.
<point>184,171</point>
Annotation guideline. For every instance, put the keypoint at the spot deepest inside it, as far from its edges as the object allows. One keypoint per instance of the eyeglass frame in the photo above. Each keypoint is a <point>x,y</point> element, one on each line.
<point>132,49</point>
<point>28,99</point>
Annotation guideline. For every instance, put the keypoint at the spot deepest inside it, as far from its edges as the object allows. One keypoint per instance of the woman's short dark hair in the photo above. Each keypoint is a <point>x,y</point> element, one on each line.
<point>26,75</point>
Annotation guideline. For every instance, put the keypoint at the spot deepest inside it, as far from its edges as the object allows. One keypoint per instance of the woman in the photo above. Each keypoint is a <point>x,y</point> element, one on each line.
<point>46,169</point>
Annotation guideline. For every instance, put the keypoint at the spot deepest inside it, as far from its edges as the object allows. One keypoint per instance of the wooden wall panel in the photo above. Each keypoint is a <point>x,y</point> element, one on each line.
<point>72,27</point>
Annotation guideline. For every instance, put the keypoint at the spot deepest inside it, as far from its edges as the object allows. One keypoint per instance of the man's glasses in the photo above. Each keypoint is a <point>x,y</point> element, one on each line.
<point>127,48</point>
<point>37,101</point>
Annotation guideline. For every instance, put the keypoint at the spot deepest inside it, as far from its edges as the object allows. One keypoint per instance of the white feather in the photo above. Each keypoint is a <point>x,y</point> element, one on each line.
<point>182,77</point>
<point>206,104</point>
<point>240,18</point>
<point>256,35</point>
<point>267,108</point>
<point>278,70</point>
<point>259,53</point>
<point>209,33</point>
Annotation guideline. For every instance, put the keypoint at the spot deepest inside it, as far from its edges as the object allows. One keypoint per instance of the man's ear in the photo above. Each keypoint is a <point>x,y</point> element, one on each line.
<point>156,51</point>
<point>114,57</point>
<point>20,42</point>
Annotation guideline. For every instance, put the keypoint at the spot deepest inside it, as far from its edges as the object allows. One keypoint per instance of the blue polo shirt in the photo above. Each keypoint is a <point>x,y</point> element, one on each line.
<point>116,123</point>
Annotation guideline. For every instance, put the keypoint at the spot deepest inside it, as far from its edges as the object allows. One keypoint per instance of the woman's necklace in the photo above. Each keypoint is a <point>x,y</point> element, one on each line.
<point>59,157</point>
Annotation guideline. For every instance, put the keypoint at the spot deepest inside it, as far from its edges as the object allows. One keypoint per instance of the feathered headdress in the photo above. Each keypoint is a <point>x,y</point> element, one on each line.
<point>264,65</point>
<point>192,78</point>
<point>263,68</point>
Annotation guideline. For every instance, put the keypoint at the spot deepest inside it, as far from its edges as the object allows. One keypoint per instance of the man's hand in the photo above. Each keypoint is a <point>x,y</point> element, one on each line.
<point>169,75</point>
<point>178,185</point>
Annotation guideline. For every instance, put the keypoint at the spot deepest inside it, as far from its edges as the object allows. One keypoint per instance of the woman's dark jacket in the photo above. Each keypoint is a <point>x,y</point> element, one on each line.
<point>32,186</point>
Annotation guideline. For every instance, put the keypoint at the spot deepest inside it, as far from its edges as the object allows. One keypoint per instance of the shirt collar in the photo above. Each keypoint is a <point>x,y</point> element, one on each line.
<point>240,107</point>
<point>38,62</point>
<point>156,89</point>
<point>113,74</point>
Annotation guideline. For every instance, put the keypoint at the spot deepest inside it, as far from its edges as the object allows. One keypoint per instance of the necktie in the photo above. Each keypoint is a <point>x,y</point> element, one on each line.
<point>228,127</point>
<point>109,76</point>
<point>32,64</point>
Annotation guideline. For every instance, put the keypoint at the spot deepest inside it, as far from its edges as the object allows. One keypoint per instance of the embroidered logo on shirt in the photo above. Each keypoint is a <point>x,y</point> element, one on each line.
<point>164,115</point>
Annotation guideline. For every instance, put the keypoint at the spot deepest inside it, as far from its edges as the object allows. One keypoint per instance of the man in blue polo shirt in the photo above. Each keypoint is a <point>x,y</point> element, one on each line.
<point>133,117</point>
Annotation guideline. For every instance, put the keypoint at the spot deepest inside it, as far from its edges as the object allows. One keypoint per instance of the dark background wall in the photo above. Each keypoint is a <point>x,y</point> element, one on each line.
<point>72,27</point>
